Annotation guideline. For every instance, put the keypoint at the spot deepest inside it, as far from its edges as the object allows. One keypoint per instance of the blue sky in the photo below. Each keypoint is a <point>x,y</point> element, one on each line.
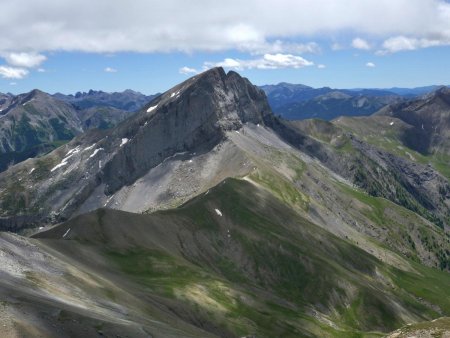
<point>148,46</point>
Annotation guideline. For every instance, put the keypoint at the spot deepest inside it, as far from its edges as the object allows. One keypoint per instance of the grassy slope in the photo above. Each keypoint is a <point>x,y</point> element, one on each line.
<point>259,269</point>
<point>304,186</point>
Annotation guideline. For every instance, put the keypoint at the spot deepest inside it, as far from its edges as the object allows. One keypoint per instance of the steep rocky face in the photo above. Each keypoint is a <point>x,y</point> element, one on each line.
<point>429,118</point>
<point>192,117</point>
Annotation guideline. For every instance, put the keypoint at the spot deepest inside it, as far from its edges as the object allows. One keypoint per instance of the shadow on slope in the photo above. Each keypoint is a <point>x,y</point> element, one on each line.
<point>236,261</point>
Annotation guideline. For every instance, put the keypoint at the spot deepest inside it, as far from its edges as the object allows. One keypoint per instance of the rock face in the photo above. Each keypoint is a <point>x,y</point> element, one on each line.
<point>429,121</point>
<point>192,117</point>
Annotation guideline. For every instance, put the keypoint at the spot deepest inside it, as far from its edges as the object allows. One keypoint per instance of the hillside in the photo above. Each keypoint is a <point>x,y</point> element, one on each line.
<point>33,124</point>
<point>204,214</point>
<point>225,263</point>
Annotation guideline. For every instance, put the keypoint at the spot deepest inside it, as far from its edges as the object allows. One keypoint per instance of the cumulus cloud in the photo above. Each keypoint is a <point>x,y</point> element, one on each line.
<point>27,60</point>
<point>173,25</point>
<point>12,72</point>
<point>359,43</point>
<point>321,66</point>
<point>187,70</point>
<point>268,61</point>
<point>403,43</point>
<point>370,65</point>
<point>110,70</point>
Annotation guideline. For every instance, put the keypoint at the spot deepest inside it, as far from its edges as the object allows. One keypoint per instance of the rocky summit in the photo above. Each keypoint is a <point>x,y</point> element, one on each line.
<point>204,214</point>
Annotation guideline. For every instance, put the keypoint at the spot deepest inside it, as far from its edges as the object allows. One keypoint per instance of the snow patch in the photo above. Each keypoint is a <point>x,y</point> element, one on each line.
<point>66,233</point>
<point>151,108</point>
<point>124,141</point>
<point>95,152</point>
<point>32,169</point>
<point>391,124</point>
<point>73,151</point>
<point>218,212</point>
<point>69,154</point>
<point>63,163</point>
<point>172,95</point>
<point>90,147</point>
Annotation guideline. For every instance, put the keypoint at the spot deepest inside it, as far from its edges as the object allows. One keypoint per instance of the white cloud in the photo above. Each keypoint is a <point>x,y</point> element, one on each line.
<point>403,43</point>
<point>12,83</point>
<point>27,60</point>
<point>268,61</point>
<point>370,65</point>
<point>12,72</point>
<point>359,43</point>
<point>41,70</point>
<point>186,70</point>
<point>174,25</point>
<point>110,70</point>
<point>321,66</point>
<point>279,46</point>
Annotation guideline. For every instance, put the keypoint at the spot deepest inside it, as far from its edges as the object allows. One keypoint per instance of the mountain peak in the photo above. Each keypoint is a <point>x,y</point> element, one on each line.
<point>443,91</point>
<point>226,98</point>
<point>193,116</point>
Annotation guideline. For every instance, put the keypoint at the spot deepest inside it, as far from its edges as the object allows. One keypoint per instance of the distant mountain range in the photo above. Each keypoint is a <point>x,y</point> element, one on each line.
<point>298,102</point>
<point>128,100</point>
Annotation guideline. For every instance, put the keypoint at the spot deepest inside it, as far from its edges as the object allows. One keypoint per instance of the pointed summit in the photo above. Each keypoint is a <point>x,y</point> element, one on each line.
<point>227,100</point>
<point>191,116</point>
